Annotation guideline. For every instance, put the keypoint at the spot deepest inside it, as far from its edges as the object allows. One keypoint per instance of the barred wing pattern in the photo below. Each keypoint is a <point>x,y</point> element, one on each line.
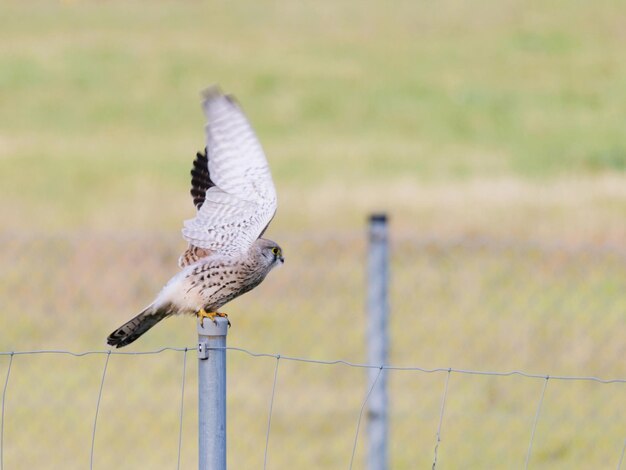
<point>200,178</point>
<point>242,201</point>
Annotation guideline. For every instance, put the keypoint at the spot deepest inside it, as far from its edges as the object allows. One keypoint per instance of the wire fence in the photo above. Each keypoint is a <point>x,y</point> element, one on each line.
<point>488,321</point>
<point>18,460</point>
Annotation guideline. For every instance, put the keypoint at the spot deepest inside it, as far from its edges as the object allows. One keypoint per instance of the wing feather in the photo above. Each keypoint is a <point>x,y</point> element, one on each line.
<point>241,200</point>
<point>200,178</point>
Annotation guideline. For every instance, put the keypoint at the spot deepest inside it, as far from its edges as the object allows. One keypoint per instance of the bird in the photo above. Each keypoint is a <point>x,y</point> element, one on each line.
<point>235,199</point>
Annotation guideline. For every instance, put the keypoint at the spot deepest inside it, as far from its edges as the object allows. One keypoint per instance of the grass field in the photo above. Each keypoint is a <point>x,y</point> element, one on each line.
<point>488,130</point>
<point>100,103</point>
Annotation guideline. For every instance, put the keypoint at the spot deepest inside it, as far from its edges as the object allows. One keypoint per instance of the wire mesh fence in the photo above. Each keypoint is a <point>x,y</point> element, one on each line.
<point>467,304</point>
<point>107,437</point>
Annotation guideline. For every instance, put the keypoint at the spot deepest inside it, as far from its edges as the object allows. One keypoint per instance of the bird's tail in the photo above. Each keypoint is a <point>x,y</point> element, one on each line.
<point>133,329</point>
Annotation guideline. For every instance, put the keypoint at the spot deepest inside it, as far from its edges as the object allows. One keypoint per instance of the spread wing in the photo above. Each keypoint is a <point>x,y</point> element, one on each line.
<point>239,198</point>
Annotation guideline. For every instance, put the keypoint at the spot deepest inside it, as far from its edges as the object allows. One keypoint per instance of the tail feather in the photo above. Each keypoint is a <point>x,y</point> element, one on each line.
<point>133,329</point>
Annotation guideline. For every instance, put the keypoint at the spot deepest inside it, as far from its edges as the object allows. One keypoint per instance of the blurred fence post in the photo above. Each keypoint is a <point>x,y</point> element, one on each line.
<point>212,394</point>
<point>378,341</point>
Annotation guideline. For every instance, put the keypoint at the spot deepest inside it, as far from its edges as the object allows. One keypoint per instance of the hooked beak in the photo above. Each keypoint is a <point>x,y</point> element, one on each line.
<point>281,259</point>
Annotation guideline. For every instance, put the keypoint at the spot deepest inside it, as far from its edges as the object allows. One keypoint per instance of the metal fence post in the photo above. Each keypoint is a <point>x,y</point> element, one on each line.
<point>212,394</point>
<point>378,341</point>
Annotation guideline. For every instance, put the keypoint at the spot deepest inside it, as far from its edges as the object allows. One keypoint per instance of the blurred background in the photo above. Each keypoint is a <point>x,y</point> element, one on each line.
<point>491,132</point>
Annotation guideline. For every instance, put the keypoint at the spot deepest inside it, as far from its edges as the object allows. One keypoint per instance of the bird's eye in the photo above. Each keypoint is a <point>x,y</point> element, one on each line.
<point>274,251</point>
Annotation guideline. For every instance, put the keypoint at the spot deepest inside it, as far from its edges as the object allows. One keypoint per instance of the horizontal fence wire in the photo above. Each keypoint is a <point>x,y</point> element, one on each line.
<point>328,363</point>
<point>428,371</point>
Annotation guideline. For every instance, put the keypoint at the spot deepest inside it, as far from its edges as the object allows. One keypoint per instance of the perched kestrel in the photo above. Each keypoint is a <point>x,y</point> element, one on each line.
<point>233,192</point>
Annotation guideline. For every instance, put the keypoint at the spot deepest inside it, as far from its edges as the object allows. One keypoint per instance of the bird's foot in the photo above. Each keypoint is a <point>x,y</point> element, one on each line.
<point>223,315</point>
<point>202,314</point>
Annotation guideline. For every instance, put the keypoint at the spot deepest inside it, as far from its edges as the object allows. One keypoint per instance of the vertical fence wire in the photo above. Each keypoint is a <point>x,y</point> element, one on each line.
<point>95,419</point>
<point>441,413</point>
<point>4,394</point>
<point>358,423</point>
<point>532,434</point>
<point>621,459</point>
<point>269,417</point>
<point>182,407</point>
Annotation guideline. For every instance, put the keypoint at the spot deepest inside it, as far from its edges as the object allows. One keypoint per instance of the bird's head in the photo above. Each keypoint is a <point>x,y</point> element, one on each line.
<point>270,250</point>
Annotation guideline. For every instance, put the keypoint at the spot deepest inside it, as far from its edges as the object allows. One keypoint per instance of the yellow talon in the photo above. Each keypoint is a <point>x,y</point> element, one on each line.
<point>202,314</point>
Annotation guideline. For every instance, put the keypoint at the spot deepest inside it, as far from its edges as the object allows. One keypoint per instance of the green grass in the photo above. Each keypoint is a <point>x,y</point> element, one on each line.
<point>486,119</point>
<point>104,96</point>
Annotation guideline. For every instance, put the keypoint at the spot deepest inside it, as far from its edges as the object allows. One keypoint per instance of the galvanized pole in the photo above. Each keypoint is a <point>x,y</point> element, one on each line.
<point>378,341</point>
<point>212,394</point>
